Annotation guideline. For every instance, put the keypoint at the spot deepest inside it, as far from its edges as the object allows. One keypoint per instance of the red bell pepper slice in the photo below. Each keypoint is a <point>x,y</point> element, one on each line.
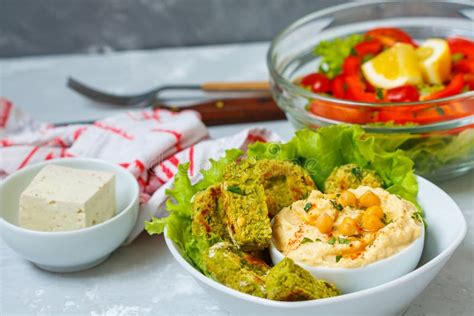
<point>464,66</point>
<point>454,87</point>
<point>351,65</point>
<point>370,47</point>
<point>356,90</point>
<point>459,45</point>
<point>389,36</point>
<point>406,93</point>
<point>339,87</point>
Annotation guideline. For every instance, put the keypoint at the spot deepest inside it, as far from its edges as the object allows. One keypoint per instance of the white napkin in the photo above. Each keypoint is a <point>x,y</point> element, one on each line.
<point>149,143</point>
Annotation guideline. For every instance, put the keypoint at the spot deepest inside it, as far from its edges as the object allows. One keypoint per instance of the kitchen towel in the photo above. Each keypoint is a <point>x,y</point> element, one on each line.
<point>149,143</point>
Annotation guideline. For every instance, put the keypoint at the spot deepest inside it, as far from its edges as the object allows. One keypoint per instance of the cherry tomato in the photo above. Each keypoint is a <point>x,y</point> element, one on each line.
<point>454,87</point>
<point>339,87</point>
<point>403,94</point>
<point>390,35</point>
<point>372,47</point>
<point>351,65</point>
<point>458,45</point>
<point>464,66</point>
<point>356,90</point>
<point>319,83</point>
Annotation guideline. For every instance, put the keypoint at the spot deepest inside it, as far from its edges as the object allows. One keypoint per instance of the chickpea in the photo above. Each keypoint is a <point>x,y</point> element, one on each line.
<point>369,199</point>
<point>375,210</point>
<point>324,223</point>
<point>371,222</point>
<point>347,198</point>
<point>348,227</point>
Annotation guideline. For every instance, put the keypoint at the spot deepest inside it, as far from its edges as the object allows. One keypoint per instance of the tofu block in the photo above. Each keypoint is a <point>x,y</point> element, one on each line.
<point>61,199</point>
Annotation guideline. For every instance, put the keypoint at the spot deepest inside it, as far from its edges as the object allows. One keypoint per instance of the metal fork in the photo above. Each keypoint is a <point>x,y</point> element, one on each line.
<point>151,95</point>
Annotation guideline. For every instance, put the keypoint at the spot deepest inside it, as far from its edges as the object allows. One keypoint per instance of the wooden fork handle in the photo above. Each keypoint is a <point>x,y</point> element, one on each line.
<point>236,86</point>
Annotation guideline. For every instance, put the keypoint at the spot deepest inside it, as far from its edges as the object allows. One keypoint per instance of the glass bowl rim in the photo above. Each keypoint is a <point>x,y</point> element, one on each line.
<point>293,88</point>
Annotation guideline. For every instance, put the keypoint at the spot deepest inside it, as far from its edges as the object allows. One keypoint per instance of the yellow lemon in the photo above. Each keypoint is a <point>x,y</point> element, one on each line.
<point>435,60</point>
<point>394,67</point>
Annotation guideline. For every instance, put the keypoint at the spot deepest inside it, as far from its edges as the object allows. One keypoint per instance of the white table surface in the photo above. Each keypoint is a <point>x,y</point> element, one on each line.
<point>143,278</point>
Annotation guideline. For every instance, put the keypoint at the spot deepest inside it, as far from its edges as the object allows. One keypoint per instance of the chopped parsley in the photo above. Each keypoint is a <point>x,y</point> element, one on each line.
<point>332,241</point>
<point>343,241</point>
<point>358,173</point>
<point>235,189</point>
<point>457,56</point>
<point>338,257</point>
<point>379,94</point>
<point>306,240</point>
<point>439,110</point>
<point>317,239</point>
<point>336,205</point>
<point>307,207</point>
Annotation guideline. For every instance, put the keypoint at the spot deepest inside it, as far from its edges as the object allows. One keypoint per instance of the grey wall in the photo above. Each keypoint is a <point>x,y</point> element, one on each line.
<point>33,27</point>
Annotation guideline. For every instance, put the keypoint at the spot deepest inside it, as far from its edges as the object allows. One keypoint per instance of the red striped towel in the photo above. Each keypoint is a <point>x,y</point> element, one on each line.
<point>149,143</point>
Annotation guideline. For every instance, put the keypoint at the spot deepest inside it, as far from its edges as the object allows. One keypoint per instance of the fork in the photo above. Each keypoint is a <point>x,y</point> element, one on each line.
<point>151,95</point>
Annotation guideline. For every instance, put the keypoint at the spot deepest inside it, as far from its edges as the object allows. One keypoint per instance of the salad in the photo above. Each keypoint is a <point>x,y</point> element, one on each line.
<point>406,83</point>
<point>387,65</point>
<point>221,223</point>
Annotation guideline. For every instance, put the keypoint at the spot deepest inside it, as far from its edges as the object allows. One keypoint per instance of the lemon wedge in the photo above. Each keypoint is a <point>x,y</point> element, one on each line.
<point>435,60</point>
<point>394,67</point>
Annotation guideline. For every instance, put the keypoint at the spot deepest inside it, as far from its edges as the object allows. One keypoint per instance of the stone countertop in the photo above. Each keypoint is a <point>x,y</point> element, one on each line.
<point>143,278</point>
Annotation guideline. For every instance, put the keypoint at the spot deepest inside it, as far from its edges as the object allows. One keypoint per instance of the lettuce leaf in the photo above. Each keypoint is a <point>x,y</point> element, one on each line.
<point>319,152</point>
<point>179,221</point>
<point>334,52</point>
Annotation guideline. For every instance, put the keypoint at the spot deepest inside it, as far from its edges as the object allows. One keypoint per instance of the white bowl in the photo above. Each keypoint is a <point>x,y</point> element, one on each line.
<point>446,230</point>
<point>350,280</point>
<point>70,250</point>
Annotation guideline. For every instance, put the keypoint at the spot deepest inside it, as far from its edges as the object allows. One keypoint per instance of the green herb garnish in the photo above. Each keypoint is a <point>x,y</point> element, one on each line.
<point>338,257</point>
<point>306,240</point>
<point>358,173</point>
<point>379,93</point>
<point>336,205</point>
<point>317,239</point>
<point>440,111</point>
<point>332,241</point>
<point>457,56</point>
<point>343,241</point>
<point>307,207</point>
<point>235,189</point>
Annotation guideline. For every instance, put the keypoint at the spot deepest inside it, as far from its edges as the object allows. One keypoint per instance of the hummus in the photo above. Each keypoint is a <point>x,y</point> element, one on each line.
<point>298,233</point>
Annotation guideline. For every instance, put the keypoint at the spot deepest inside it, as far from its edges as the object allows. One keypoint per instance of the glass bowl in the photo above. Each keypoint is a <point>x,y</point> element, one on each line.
<point>441,143</point>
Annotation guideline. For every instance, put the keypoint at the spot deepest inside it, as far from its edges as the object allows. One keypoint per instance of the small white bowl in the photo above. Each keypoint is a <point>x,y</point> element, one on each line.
<point>350,280</point>
<point>68,251</point>
<point>446,230</point>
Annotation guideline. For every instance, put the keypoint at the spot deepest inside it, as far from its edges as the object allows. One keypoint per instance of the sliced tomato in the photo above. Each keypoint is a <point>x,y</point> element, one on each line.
<point>459,45</point>
<point>356,90</point>
<point>406,93</point>
<point>339,87</point>
<point>464,66</point>
<point>351,65</point>
<point>369,47</point>
<point>390,35</point>
<point>454,87</point>
<point>318,83</point>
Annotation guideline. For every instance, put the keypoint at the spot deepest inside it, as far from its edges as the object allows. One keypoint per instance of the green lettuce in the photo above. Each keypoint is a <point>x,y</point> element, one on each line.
<point>179,221</point>
<point>317,151</point>
<point>434,152</point>
<point>334,52</point>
